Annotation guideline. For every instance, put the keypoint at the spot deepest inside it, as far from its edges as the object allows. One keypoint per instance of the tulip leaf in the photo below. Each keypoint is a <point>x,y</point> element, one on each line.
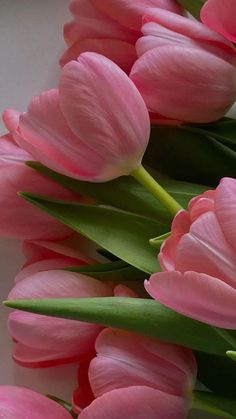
<point>126,193</point>
<point>143,316</point>
<point>217,373</point>
<point>212,403</point>
<point>117,271</point>
<point>124,234</point>
<point>190,156</point>
<point>192,6</point>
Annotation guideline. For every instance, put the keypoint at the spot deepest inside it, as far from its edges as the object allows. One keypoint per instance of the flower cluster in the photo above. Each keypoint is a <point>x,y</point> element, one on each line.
<point>77,153</point>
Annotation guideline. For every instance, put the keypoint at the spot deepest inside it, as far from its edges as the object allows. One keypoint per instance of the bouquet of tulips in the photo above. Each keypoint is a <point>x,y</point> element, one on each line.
<point>121,186</point>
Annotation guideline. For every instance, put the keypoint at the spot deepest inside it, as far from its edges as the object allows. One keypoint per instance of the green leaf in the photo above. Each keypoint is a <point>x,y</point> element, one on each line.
<point>218,373</point>
<point>124,234</point>
<point>64,404</point>
<point>193,6</point>
<point>127,194</point>
<point>117,271</point>
<point>143,316</point>
<point>190,156</point>
<point>212,403</point>
<point>223,130</point>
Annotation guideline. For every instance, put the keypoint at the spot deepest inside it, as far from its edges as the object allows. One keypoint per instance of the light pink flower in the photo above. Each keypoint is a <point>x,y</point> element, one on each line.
<point>18,218</point>
<point>220,16</point>
<point>136,402</point>
<point>95,128</point>
<point>92,30</point>
<point>110,28</point>
<point>41,341</point>
<point>46,255</point>
<point>199,259</point>
<point>137,366</point>
<point>22,403</point>
<point>185,71</point>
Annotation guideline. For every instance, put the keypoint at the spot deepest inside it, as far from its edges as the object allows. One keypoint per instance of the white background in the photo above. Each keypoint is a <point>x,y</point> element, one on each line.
<point>30,44</point>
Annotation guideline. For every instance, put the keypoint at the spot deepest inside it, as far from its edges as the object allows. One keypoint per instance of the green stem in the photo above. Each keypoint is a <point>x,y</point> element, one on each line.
<point>143,177</point>
<point>226,336</point>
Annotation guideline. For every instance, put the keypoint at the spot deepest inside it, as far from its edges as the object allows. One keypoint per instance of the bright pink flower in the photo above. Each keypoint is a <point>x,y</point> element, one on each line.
<point>95,128</point>
<point>185,71</point>
<point>199,259</point>
<point>42,341</point>
<point>127,361</point>
<point>22,403</point>
<point>18,218</point>
<point>220,16</point>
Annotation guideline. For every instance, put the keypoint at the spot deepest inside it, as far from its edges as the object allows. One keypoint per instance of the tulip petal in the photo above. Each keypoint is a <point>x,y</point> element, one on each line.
<point>196,295</point>
<point>100,103</point>
<point>136,403</point>
<point>15,176</point>
<point>129,13</point>
<point>22,403</point>
<point>225,206</point>
<point>204,249</point>
<point>120,52</point>
<point>126,359</point>
<point>220,16</point>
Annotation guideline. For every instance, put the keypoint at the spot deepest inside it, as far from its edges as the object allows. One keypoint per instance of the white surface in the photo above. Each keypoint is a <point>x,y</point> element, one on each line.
<point>30,45</point>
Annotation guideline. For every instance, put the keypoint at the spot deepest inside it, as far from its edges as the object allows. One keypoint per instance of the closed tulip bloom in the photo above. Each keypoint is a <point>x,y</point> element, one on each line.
<point>185,71</point>
<point>137,402</point>
<point>44,255</point>
<point>94,31</point>
<point>131,365</point>
<point>20,219</point>
<point>42,341</point>
<point>125,359</point>
<point>199,259</point>
<point>220,16</point>
<point>22,403</point>
<point>95,128</point>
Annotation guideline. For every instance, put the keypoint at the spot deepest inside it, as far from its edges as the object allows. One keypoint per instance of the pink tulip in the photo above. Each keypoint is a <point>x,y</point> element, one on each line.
<point>185,71</point>
<point>129,13</point>
<point>92,30</point>
<point>199,259</point>
<point>19,219</point>
<point>42,341</point>
<point>22,403</point>
<point>46,255</point>
<point>126,359</point>
<point>95,128</point>
<point>220,16</point>
<point>137,402</point>
<point>133,364</point>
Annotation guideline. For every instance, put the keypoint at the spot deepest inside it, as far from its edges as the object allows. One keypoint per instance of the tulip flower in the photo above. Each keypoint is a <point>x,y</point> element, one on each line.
<point>92,30</point>
<point>108,28</point>
<point>199,259</point>
<point>19,219</point>
<point>42,341</point>
<point>95,128</point>
<point>220,16</point>
<point>130,365</point>
<point>22,403</point>
<point>185,71</point>
<point>44,255</point>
